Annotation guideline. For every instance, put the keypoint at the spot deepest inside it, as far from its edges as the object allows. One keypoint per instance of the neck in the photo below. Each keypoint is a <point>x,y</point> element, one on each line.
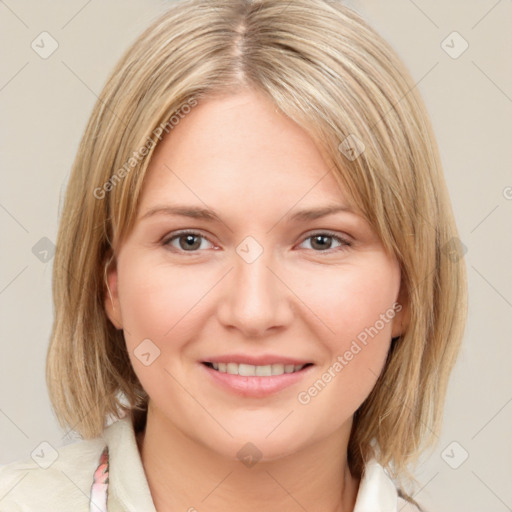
<point>183,474</point>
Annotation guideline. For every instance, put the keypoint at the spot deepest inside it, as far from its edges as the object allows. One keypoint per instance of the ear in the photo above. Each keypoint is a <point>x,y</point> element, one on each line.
<point>402,313</point>
<point>111,296</point>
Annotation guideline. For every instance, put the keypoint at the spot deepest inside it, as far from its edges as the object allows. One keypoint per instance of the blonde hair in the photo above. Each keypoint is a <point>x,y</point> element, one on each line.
<point>325,68</point>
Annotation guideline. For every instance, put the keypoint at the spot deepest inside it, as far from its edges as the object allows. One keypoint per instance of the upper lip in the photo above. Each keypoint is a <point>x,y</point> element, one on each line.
<point>262,360</point>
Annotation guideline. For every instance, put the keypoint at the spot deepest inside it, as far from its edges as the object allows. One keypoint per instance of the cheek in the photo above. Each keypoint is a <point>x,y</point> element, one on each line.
<point>157,299</point>
<point>158,303</point>
<point>351,298</point>
<point>356,304</point>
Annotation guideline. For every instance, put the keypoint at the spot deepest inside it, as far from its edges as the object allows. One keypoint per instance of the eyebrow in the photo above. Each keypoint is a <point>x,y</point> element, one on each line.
<point>210,215</point>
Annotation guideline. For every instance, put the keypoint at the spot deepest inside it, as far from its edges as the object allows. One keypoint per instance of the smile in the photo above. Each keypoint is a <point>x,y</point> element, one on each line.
<point>255,381</point>
<point>249,370</point>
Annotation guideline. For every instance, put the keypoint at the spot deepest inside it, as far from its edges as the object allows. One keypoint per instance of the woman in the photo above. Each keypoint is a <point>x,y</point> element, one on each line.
<point>252,277</point>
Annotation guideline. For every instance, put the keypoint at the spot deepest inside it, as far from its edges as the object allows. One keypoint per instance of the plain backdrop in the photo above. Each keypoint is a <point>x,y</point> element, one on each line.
<point>45,104</point>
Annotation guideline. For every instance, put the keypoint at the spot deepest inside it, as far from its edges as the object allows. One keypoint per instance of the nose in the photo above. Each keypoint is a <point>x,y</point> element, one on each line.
<point>256,299</point>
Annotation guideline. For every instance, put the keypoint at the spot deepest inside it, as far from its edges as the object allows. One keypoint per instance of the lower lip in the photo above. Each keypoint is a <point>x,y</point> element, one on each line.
<point>256,387</point>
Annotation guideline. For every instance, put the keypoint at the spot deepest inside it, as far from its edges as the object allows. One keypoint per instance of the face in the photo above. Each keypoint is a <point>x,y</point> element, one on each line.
<point>254,288</point>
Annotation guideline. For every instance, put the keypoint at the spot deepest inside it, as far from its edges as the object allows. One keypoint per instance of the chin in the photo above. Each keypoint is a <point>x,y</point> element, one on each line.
<point>255,445</point>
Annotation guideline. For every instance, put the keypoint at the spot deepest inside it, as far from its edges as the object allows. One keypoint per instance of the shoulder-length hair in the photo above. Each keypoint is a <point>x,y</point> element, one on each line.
<point>326,69</point>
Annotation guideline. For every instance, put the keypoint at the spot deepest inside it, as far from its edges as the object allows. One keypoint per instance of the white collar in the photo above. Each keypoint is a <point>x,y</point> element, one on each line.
<point>377,492</point>
<point>130,489</point>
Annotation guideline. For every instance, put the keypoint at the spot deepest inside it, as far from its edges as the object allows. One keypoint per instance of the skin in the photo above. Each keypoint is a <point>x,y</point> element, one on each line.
<point>241,157</point>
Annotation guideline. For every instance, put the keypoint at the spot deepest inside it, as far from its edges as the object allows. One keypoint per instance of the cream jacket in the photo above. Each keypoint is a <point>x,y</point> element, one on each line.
<point>60,481</point>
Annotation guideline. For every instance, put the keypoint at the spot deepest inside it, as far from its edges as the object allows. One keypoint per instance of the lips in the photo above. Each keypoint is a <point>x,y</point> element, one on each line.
<point>255,376</point>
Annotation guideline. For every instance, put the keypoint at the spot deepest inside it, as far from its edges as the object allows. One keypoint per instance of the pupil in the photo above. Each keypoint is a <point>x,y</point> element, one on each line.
<point>322,244</point>
<point>189,241</point>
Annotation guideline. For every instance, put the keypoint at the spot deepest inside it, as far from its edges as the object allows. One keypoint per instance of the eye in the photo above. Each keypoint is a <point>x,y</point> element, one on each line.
<point>191,241</point>
<point>323,241</point>
<point>187,241</point>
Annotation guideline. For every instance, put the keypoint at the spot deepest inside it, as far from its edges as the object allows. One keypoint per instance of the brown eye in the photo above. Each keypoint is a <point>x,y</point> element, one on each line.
<point>187,241</point>
<point>323,242</point>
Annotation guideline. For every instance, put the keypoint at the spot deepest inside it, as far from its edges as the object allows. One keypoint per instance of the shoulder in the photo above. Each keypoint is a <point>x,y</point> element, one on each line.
<point>52,479</point>
<point>378,492</point>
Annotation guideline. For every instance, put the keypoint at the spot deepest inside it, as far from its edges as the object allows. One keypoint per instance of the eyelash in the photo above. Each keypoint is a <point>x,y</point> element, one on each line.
<point>344,243</point>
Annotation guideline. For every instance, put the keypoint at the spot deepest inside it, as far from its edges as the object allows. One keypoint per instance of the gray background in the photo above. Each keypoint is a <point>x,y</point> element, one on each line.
<point>45,104</point>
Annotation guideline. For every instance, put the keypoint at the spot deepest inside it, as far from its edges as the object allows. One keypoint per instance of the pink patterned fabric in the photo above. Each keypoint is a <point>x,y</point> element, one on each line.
<point>99,488</point>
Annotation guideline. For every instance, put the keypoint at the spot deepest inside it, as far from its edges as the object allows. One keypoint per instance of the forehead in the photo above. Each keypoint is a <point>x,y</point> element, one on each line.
<point>240,149</point>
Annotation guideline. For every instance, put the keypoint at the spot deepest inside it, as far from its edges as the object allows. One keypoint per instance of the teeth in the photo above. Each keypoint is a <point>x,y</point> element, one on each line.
<point>246,370</point>
<point>264,371</point>
<point>249,370</point>
<point>278,369</point>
